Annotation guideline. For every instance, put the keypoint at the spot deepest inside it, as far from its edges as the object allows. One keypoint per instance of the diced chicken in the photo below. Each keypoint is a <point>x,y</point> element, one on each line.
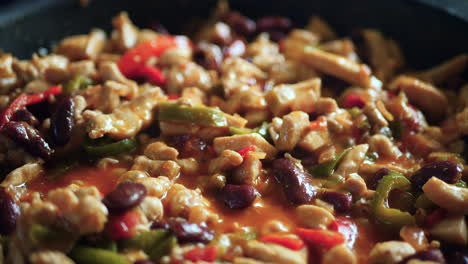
<point>250,169</point>
<point>291,131</point>
<point>25,70</point>
<point>326,105</point>
<point>156,187</point>
<point>424,95</point>
<point>126,120</point>
<point>156,168</point>
<point>462,121</point>
<point>447,196</point>
<point>313,216</point>
<point>160,151</point>
<point>187,75</point>
<point>16,180</point>
<point>452,229</point>
<point>82,47</point>
<point>83,68</point>
<point>181,201</point>
<point>341,47</point>
<point>297,39</point>
<point>374,115</point>
<point>49,257</point>
<point>36,86</point>
<point>109,71</point>
<point>384,147</point>
<point>175,56</point>
<point>243,101</point>
<point>264,53</point>
<point>151,208</point>
<point>351,162</point>
<point>300,96</point>
<point>227,159</point>
<point>274,253</point>
<point>356,185</point>
<point>314,139</point>
<point>125,34</point>
<point>390,252</point>
<point>339,254</point>
<point>239,75</point>
<point>238,142</point>
<point>195,95</point>
<point>8,77</point>
<point>402,111</point>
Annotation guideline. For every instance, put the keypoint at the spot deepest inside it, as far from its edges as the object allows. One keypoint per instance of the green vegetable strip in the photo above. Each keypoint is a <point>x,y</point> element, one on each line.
<point>41,234</point>
<point>240,130</point>
<point>200,115</point>
<point>382,212</point>
<point>327,168</point>
<point>146,240</point>
<point>77,83</point>
<point>108,147</point>
<point>163,248</point>
<point>87,255</point>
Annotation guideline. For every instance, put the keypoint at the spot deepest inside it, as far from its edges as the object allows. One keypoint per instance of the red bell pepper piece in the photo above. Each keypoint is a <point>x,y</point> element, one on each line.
<point>131,62</point>
<point>323,238</point>
<point>173,96</point>
<point>319,124</point>
<point>289,242</point>
<point>27,99</point>
<point>121,226</point>
<point>243,152</point>
<point>353,100</point>
<point>153,74</point>
<point>207,254</point>
<point>346,227</point>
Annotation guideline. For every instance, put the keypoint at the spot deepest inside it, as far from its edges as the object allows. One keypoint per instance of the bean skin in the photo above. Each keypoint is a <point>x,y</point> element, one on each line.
<point>447,171</point>
<point>208,56</point>
<point>190,232</point>
<point>274,24</point>
<point>63,122</point>
<point>238,196</point>
<point>124,197</point>
<point>241,24</point>
<point>297,185</point>
<point>433,255</point>
<point>29,137</point>
<point>9,211</point>
<point>25,116</point>
<point>341,201</point>
<point>375,179</point>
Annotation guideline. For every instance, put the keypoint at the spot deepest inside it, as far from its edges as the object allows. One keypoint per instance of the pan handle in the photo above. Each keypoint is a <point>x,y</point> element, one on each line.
<point>458,8</point>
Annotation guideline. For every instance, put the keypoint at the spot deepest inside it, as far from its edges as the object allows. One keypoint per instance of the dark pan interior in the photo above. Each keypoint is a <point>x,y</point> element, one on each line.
<point>427,34</point>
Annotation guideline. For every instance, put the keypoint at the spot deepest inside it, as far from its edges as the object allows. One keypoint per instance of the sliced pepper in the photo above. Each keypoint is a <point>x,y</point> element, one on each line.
<point>51,237</point>
<point>201,115</point>
<point>87,255</point>
<point>263,131</point>
<point>322,238</point>
<point>327,168</point>
<point>27,99</point>
<point>146,240</point>
<point>382,212</point>
<point>163,248</point>
<point>240,130</point>
<point>122,226</point>
<point>207,254</point>
<point>243,152</point>
<point>289,242</point>
<point>108,147</point>
<point>153,74</point>
<point>77,83</point>
<point>319,124</point>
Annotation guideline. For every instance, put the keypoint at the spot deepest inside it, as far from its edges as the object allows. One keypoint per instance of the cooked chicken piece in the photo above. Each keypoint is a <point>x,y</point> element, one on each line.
<point>187,75</point>
<point>430,99</point>
<point>274,253</point>
<point>384,147</point>
<point>264,53</point>
<point>250,169</point>
<point>83,68</point>
<point>8,77</point>
<point>291,131</point>
<point>160,151</point>
<point>109,71</point>
<point>227,159</point>
<point>339,254</point>
<point>314,139</point>
<point>125,34</point>
<point>82,47</point>
<point>321,28</point>
<point>239,75</point>
<point>351,162</point>
<point>390,252</point>
<point>238,142</point>
<point>49,257</point>
<point>156,168</point>
<point>341,47</point>
<point>151,208</point>
<point>313,216</point>
<point>447,196</point>
<point>452,229</point>
<point>15,181</point>
<point>128,119</point>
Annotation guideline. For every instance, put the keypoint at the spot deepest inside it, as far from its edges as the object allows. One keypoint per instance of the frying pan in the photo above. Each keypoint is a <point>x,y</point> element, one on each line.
<point>428,30</point>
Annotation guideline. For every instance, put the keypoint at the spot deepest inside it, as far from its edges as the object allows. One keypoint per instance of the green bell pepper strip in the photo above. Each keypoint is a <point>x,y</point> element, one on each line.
<point>77,83</point>
<point>200,115</point>
<point>146,240</point>
<point>382,212</point>
<point>240,130</point>
<point>108,147</point>
<point>423,202</point>
<point>163,248</point>
<point>41,234</point>
<point>262,130</point>
<point>327,168</point>
<point>87,255</point>
<point>461,184</point>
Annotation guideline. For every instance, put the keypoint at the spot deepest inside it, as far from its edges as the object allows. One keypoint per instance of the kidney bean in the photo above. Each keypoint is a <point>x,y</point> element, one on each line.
<point>189,232</point>
<point>276,35</point>
<point>124,197</point>
<point>241,24</point>
<point>63,121</point>
<point>297,185</point>
<point>25,116</point>
<point>29,137</point>
<point>341,201</point>
<point>9,211</point>
<point>160,225</point>
<point>208,56</point>
<point>373,181</point>
<point>448,171</point>
<point>274,24</point>
<point>433,255</point>
<point>238,196</point>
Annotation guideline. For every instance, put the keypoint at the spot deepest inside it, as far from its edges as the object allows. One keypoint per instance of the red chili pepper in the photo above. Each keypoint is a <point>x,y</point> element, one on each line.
<point>122,226</point>
<point>131,62</point>
<point>319,124</point>
<point>27,99</point>
<point>434,217</point>
<point>353,100</point>
<point>323,238</point>
<point>289,242</point>
<point>173,96</point>
<point>207,254</point>
<point>153,74</point>
<point>346,227</point>
<point>243,152</point>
